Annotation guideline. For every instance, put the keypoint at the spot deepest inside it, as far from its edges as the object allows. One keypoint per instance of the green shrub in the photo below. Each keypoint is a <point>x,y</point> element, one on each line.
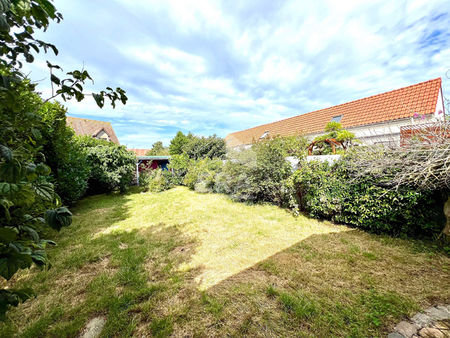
<point>72,175</point>
<point>201,147</point>
<point>179,165</point>
<point>64,155</point>
<point>112,168</point>
<point>178,143</point>
<point>328,192</point>
<point>201,174</point>
<point>29,205</point>
<point>158,149</point>
<point>156,180</point>
<point>401,211</point>
<point>86,141</point>
<point>260,174</point>
<point>318,190</point>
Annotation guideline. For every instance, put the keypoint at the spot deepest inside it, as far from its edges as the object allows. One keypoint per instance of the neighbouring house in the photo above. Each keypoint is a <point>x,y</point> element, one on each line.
<point>376,119</point>
<point>94,128</point>
<point>139,152</point>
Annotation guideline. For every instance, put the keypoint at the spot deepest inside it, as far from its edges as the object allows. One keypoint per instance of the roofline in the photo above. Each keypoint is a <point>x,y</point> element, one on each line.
<point>348,128</point>
<point>153,157</point>
<point>341,104</point>
<point>83,118</point>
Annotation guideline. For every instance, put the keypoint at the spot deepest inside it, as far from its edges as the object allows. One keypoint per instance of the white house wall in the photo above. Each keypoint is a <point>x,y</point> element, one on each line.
<point>385,132</point>
<point>439,106</point>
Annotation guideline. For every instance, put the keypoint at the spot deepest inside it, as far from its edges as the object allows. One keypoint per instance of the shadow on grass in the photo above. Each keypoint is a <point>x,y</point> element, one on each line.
<point>124,275</point>
<point>349,283</point>
<point>338,284</point>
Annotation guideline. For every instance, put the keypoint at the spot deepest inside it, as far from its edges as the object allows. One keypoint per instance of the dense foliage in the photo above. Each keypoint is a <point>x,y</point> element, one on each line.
<point>158,149</point>
<point>66,158</point>
<point>333,131</point>
<point>328,192</point>
<point>202,147</point>
<point>178,142</point>
<point>156,180</point>
<point>197,147</point>
<point>201,175</point>
<point>32,136</point>
<point>28,202</point>
<point>179,166</point>
<point>111,168</point>
<point>259,174</point>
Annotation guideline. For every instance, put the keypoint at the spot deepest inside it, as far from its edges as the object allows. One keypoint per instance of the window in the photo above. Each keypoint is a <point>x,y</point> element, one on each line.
<point>336,118</point>
<point>102,135</point>
<point>266,133</point>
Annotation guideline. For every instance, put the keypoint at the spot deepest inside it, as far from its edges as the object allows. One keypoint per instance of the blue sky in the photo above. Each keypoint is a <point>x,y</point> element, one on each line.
<point>222,66</point>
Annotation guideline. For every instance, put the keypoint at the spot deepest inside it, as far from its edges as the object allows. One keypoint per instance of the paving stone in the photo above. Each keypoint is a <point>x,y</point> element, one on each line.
<point>395,335</point>
<point>421,319</point>
<point>429,332</point>
<point>437,313</point>
<point>94,328</point>
<point>445,309</point>
<point>406,329</point>
<point>443,326</point>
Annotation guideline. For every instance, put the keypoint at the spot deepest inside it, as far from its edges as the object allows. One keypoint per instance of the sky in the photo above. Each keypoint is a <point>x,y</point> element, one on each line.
<point>215,67</point>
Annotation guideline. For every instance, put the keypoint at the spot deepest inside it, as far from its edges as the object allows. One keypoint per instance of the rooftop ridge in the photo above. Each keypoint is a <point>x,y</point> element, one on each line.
<point>83,118</point>
<point>340,105</point>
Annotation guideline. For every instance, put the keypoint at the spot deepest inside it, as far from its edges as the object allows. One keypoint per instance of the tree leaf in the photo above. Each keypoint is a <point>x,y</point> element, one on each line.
<point>58,218</point>
<point>13,262</point>
<point>7,234</point>
<point>6,153</point>
<point>99,99</point>
<point>44,190</point>
<point>12,297</point>
<point>33,233</point>
<point>55,79</point>
<point>36,133</point>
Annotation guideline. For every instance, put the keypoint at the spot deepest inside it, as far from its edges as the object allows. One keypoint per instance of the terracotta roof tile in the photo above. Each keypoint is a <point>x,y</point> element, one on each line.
<point>420,98</point>
<point>139,152</point>
<point>91,127</point>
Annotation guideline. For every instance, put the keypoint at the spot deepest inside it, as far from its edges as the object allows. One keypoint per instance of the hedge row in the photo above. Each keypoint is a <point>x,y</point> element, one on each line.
<point>262,174</point>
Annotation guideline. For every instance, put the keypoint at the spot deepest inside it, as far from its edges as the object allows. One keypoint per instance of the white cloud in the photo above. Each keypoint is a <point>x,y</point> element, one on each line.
<point>217,66</point>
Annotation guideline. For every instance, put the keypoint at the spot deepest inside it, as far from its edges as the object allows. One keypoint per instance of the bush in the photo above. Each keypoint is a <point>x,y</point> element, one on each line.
<point>202,173</point>
<point>319,192</point>
<point>178,143</point>
<point>156,180</point>
<point>29,206</point>
<point>65,156</point>
<point>260,174</point>
<point>200,147</point>
<point>112,168</point>
<point>179,165</point>
<point>328,192</point>
<point>72,175</point>
<point>403,211</point>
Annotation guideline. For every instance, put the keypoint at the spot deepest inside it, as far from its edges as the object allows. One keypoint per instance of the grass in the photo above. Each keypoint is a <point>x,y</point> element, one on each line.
<point>186,264</point>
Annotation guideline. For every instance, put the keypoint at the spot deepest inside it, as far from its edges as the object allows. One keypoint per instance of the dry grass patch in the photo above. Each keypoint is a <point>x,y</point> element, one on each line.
<point>179,263</point>
<point>230,237</point>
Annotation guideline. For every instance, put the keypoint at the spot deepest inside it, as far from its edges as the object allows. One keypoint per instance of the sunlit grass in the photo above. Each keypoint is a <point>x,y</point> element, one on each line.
<point>186,264</point>
<point>230,236</point>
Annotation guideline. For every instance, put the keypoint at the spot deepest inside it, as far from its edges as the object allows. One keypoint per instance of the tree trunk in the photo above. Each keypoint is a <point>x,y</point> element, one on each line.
<point>446,230</point>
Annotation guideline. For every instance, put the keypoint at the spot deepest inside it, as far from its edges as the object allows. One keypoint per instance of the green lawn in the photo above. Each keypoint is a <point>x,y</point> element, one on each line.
<point>187,264</point>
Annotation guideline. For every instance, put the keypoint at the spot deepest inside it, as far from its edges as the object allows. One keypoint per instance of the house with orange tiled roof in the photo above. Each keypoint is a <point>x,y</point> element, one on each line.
<point>139,152</point>
<point>374,120</point>
<point>98,129</point>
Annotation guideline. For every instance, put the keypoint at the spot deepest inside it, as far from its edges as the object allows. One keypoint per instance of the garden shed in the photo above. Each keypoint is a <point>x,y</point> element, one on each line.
<point>151,162</point>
